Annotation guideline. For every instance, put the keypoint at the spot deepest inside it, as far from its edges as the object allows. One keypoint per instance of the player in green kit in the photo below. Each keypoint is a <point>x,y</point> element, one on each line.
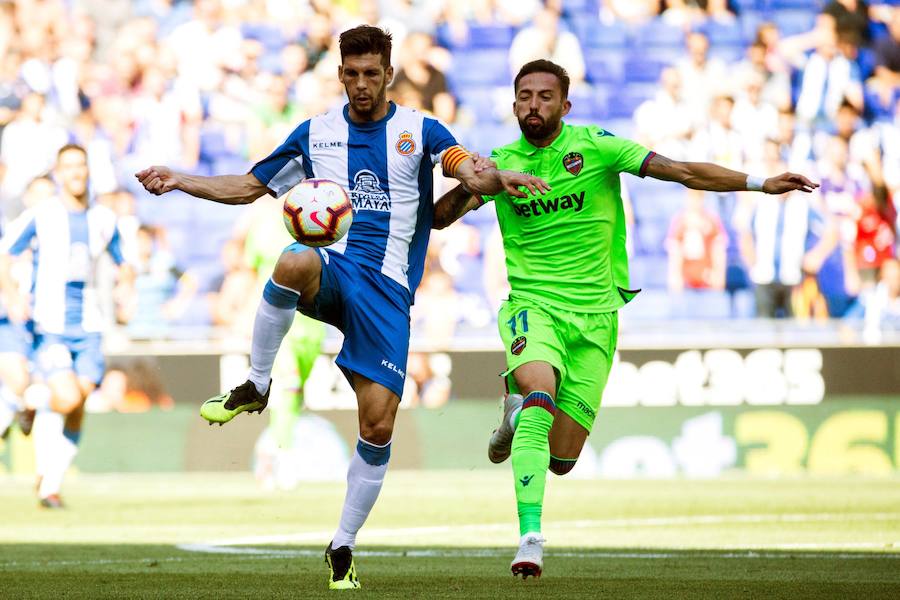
<point>568,274</point>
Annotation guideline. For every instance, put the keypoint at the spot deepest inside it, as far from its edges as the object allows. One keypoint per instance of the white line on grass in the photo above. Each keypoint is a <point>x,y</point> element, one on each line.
<point>241,545</point>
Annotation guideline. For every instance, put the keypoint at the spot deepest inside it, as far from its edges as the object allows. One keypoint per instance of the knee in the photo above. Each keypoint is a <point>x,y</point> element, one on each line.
<point>378,431</point>
<point>66,401</point>
<point>294,270</point>
<point>561,466</point>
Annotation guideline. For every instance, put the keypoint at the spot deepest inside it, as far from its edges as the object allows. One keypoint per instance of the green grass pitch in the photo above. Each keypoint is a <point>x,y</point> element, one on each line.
<point>450,534</point>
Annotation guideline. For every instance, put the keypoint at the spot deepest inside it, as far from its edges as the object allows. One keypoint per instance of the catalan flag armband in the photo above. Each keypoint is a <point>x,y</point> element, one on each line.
<point>453,157</point>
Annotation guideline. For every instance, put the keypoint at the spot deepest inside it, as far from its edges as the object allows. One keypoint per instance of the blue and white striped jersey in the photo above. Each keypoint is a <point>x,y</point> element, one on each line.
<point>385,166</point>
<point>68,246</point>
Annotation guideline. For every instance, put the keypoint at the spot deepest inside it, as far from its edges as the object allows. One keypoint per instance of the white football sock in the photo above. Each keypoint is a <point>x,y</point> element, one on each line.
<point>364,479</point>
<point>65,452</point>
<point>47,432</point>
<point>273,320</point>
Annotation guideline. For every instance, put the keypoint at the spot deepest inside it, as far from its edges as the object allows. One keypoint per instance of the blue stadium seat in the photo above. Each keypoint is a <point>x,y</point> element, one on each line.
<point>658,34</point>
<point>724,35</point>
<point>486,36</point>
<point>480,67</point>
<point>791,22</point>
<point>595,35</point>
<point>268,35</point>
<point>808,5</point>
<point>603,66</point>
<point>643,70</point>
<point>480,101</point>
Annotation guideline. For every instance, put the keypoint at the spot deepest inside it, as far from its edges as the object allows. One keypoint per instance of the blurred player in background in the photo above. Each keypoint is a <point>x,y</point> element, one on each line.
<point>264,241</point>
<point>68,237</point>
<point>383,155</point>
<point>17,339</point>
<point>568,270</point>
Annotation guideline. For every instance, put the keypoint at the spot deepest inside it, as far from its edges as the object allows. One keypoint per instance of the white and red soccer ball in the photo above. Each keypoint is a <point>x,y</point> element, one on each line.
<point>317,212</point>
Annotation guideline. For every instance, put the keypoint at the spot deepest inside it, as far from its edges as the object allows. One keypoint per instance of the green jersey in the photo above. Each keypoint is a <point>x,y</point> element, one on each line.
<point>567,248</point>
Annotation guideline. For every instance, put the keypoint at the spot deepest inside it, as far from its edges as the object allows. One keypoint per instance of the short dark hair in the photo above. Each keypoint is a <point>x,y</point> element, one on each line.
<point>68,147</point>
<point>366,39</point>
<point>545,66</point>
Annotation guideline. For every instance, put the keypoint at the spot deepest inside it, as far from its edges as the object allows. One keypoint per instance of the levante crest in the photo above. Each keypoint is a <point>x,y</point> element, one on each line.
<point>573,162</point>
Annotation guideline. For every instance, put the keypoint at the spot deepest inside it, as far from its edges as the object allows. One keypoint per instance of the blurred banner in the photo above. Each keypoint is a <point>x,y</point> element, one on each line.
<point>694,413</point>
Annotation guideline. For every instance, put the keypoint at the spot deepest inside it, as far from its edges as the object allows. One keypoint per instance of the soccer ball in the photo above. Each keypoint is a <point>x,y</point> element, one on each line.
<point>317,212</point>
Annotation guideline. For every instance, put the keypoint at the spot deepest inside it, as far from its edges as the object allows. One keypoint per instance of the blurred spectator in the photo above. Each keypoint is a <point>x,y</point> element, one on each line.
<point>754,119</point>
<point>205,45</point>
<point>887,52</point>
<point>545,38</point>
<point>428,380</point>
<point>166,122</point>
<point>162,291</point>
<point>696,247</point>
<point>664,122</point>
<point>229,306</point>
<point>776,85</point>
<point>496,283</point>
<point>629,11</point>
<point>829,78</point>
<point>719,141</point>
<point>437,310</point>
<point>851,17</point>
<point>702,77</point>
<point>419,73</point>
<point>27,149</point>
<point>773,237</point>
<point>719,11</point>
<point>882,304</point>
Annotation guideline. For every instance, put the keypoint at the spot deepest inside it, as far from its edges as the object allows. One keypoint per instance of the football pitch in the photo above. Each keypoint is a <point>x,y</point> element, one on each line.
<point>450,534</point>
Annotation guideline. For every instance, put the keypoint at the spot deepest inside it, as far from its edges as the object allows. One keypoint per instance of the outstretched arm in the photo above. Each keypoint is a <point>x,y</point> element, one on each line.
<point>226,189</point>
<point>713,178</point>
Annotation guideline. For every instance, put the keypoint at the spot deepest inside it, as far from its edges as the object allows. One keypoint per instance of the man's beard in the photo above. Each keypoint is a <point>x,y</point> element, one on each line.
<point>540,131</point>
<point>375,103</point>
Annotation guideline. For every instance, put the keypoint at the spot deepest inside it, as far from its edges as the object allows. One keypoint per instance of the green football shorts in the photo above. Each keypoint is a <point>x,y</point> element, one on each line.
<point>579,346</point>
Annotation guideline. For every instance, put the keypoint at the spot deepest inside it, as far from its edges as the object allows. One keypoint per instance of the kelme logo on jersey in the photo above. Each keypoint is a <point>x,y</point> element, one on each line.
<point>545,206</point>
<point>573,162</point>
<point>518,345</point>
<point>406,145</point>
<point>367,193</point>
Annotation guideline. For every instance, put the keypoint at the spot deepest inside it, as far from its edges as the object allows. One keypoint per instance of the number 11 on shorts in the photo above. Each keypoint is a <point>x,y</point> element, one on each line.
<point>523,317</point>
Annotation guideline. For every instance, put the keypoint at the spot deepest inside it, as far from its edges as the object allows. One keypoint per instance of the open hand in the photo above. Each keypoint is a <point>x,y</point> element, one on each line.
<point>158,180</point>
<point>788,182</point>
<point>513,180</point>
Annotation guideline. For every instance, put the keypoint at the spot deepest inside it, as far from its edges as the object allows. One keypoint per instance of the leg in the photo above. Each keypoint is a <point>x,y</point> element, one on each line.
<point>377,410</point>
<point>567,438</point>
<point>57,437</point>
<point>13,381</point>
<point>531,446</point>
<point>294,284</point>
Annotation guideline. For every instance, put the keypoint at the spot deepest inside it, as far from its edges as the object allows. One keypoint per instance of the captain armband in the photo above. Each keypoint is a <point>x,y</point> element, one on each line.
<point>453,157</point>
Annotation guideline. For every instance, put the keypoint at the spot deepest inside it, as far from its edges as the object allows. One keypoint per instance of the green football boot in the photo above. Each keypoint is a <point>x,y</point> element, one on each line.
<point>225,407</point>
<point>343,571</point>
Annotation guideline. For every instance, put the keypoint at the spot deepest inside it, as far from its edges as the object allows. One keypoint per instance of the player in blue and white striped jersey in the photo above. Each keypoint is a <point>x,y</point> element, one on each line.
<point>68,238</point>
<point>383,154</point>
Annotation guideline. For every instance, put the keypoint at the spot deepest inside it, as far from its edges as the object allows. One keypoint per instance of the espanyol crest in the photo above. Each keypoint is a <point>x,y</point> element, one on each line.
<point>406,145</point>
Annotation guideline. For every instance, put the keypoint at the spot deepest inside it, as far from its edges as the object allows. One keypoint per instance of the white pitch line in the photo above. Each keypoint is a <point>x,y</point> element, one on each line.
<point>241,545</point>
<point>406,532</point>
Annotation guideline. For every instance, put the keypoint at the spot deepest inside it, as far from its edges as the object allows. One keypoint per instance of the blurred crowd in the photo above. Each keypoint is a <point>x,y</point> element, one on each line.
<point>210,86</point>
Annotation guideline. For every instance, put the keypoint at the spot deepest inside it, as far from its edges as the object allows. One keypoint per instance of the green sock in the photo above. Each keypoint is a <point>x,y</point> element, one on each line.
<point>531,458</point>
